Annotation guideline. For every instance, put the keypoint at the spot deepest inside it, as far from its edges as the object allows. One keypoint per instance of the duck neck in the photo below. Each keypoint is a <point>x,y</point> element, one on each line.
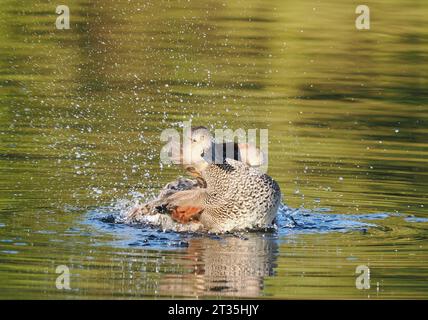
<point>201,165</point>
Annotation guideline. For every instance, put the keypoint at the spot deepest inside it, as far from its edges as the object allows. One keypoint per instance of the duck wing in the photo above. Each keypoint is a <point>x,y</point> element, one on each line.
<point>244,152</point>
<point>185,206</point>
<point>159,204</point>
<point>194,197</point>
<point>218,152</point>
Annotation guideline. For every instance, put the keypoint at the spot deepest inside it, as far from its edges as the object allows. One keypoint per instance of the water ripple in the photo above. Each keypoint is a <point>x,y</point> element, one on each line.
<point>289,221</point>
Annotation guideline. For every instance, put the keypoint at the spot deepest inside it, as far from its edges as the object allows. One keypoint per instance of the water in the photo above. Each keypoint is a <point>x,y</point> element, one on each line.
<point>81,112</point>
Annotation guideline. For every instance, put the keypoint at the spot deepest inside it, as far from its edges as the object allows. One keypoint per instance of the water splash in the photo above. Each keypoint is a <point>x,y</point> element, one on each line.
<point>289,221</point>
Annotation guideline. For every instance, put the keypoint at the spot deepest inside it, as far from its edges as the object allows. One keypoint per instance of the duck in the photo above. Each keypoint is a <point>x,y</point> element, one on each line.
<point>226,195</point>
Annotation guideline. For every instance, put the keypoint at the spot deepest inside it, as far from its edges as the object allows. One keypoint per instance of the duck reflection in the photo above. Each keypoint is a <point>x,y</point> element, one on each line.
<point>227,266</point>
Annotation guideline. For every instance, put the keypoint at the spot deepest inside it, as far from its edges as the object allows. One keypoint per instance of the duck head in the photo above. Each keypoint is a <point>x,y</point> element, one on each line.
<point>199,150</point>
<point>200,142</point>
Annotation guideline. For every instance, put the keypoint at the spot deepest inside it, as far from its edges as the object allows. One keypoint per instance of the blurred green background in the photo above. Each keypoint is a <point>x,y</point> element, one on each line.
<point>81,111</point>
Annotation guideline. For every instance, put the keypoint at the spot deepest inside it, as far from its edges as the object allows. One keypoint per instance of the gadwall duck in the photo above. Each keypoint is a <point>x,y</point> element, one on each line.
<point>227,195</point>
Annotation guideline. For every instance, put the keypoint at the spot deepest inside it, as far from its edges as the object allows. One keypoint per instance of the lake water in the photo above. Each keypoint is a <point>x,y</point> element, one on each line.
<point>81,112</point>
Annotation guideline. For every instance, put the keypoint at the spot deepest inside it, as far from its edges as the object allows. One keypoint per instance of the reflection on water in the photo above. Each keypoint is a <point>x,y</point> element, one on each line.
<point>240,264</point>
<point>81,111</point>
<point>225,265</point>
<point>228,267</point>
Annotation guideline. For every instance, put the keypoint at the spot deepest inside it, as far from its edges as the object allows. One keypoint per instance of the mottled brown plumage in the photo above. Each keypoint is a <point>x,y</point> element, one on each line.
<point>237,197</point>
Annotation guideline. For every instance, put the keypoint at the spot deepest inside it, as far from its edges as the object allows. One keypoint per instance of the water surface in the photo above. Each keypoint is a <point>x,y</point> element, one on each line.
<point>81,111</point>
